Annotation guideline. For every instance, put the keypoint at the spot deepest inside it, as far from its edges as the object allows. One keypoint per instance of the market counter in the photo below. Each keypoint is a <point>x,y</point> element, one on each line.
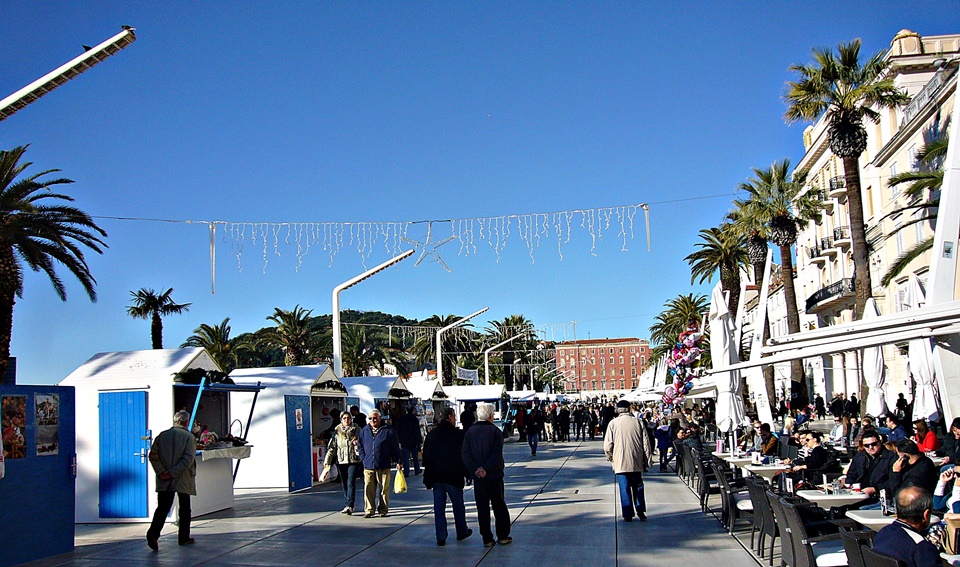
<point>215,479</point>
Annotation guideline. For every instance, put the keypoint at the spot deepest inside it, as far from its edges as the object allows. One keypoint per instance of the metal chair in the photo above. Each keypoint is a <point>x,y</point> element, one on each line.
<point>876,559</point>
<point>853,541</point>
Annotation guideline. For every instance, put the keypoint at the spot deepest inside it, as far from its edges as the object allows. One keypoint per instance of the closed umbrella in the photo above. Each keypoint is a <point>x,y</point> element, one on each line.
<point>730,414</point>
<point>920,360</point>
<point>873,367</point>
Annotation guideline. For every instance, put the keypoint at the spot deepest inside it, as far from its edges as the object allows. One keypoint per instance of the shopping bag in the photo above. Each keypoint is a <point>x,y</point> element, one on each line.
<point>399,484</point>
<point>951,533</point>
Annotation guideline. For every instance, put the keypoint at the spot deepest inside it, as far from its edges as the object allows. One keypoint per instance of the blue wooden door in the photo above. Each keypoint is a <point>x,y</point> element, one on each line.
<point>124,446</point>
<point>299,442</point>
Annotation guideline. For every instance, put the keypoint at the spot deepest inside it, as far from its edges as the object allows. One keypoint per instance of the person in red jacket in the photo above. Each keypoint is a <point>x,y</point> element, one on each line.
<point>926,440</point>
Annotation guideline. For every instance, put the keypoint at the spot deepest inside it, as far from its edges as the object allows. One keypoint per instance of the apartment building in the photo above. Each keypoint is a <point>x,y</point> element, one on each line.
<point>602,365</point>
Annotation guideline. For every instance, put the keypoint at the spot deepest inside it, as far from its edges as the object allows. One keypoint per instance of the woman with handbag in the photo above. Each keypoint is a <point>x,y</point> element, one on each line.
<point>342,451</point>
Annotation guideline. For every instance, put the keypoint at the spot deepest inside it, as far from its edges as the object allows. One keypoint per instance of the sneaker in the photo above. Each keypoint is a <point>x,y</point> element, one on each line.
<point>466,535</point>
<point>383,514</point>
<point>505,540</point>
<point>152,542</point>
<point>628,519</point>
<point>441,543</point>
<point>490,543</point>
<point>347,510</point>
<point>369,515</point>
<point>642,517</point>
<point>189,541</point>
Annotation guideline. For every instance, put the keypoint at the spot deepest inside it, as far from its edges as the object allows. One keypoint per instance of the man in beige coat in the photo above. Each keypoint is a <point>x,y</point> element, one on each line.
<point>628,447</point>
<point>173,459</point>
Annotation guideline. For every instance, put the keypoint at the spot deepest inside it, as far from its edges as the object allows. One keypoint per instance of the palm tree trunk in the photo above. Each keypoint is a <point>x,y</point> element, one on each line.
<point>858,235</point>
<point>156,330</point>
<point>769,379</point>
<point>793,320</point>
<point>8,297</point>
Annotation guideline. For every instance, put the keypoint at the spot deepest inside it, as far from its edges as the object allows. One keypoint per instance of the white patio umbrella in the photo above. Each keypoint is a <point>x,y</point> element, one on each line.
<point>873,367</point>
<point>920,360</point>
<point>730,413</point>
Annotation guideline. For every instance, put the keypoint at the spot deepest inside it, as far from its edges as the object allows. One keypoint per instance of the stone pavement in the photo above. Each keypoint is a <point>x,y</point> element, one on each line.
<point>563,504</point>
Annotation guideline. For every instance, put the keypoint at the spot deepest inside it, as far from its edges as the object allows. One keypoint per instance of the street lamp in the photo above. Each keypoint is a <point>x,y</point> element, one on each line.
<point>486,358</point>
<point>65,72</point>
<point>440,343</point>
<point>337,348</point>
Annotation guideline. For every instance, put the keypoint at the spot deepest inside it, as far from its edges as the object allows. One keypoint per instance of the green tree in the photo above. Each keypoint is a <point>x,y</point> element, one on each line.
<point>293,334</point>
<point>39,230</point>
<point>225,351</point>
<point>148,304</point>
<point>677,314</point>
<point>365,348</point>
<point>721,249</point>
<point>454,342</point>
<point>776,199</point>
<point>515,352</point>
<point>836,85</point>
<point>922,193</point>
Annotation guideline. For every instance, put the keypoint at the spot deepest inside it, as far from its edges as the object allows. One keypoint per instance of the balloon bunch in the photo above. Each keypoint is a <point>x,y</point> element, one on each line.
<point>684,357</point>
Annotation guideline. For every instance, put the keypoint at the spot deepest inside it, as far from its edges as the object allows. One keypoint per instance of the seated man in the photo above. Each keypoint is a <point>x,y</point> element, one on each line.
<point>768,441</point>
<point>871,467</point>
<point>903,539</point>
<point>897,432</point>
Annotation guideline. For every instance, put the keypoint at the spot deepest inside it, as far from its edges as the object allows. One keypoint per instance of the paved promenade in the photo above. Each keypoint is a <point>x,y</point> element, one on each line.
<point>563,504</point>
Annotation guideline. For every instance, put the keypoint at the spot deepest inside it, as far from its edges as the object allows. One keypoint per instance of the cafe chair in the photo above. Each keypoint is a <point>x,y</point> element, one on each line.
<point>853,542</point>
<point>763,523</point>
<point>876,559</point>
<point>707,484</point>
<point>786,546</point>
<point>811,551</point>
<point>734,496</point>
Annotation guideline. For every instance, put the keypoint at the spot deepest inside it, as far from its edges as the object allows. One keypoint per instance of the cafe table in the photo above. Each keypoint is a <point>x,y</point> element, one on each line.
<point>825,501</point>
<point>767,471</point>
<point>738,462</point>
<point>875,520</point>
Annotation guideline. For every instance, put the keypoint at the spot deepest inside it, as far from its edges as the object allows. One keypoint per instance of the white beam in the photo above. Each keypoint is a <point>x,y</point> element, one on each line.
<point>486,358</point>
<point>440,342</point>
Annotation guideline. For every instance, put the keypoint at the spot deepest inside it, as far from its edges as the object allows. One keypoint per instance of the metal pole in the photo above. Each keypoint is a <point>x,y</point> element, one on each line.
<point>440,343</point>
<point>337,348</point>
<point>486,358</point>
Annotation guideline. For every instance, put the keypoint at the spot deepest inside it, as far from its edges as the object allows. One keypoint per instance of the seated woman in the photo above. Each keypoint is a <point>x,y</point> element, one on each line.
<point>946,497</point>
<point>816,458</point>
<point>926,440</point>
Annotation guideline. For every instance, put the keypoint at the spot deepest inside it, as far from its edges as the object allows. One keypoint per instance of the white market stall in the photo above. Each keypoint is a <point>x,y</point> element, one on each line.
<point>389,394</point>
<point>495,394</point>
<point>291,422</point>
<point>433,398</point>
<point>124,399</point>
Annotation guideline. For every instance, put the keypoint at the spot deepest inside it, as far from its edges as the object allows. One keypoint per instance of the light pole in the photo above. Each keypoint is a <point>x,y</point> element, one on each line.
<point>486,358</point>
<point>440,342</point>
<point>337,349</point>
<point>65,72</point>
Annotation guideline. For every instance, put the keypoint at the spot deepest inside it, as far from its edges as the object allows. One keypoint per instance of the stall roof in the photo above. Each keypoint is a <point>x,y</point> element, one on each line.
<point>426,389</point>
<point>476,393</point>
<point>525,395</point>
<point>144,366</point>
<point>315,378</point>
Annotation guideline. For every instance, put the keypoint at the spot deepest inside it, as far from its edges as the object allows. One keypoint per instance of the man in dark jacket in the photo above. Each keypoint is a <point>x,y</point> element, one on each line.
<point>379,450</point>
<point>533,423</point>
<point>445,474</point>
<point>408,430</point>
<point>904,539</point>
<point>483,456</point>
<point>871,467</point>
<point>912,468</point>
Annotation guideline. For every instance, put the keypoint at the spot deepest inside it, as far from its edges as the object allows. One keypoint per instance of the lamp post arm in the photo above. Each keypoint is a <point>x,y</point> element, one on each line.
<point>486,358</point>
<point>440,344</point>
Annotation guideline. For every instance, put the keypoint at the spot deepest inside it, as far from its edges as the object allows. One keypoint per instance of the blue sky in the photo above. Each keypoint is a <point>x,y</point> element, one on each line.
<point>389,112</point>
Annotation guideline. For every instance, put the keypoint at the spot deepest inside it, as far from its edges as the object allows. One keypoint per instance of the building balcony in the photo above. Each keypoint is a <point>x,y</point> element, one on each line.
<point>837,188</point>
<point>829,246</point>
<point>816,255</point>
<point>841,237</point>
<point>835,296</point>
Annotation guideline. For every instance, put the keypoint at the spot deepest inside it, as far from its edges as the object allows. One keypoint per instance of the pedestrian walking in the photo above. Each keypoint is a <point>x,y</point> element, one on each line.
<point>173,458</point>
<point>342,451</point>
<point>379,450</point>
<point>533,424</point>
<point>411,439</point>
<point>483,456</point>
<point>628,447</point>
<point>445,473</point>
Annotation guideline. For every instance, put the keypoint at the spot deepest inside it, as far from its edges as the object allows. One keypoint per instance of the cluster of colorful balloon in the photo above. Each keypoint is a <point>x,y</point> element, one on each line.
<point>683,359</point>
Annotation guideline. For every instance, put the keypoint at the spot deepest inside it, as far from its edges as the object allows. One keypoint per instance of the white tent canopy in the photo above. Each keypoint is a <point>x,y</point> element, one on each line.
<point>480,393</point>
<point>426,390</point>
<point>369,388</point>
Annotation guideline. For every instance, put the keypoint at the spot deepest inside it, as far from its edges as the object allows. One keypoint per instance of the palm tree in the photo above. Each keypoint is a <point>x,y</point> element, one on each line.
<point>838,86</point>
<point>148,304</point>
<point>292,334</point>
<point>758,243</point>
<point>722,249</point>
<point>216,340</point>
<point>39,235</point>
<point>365,348</point>
<point>676,316</point>
<point>453,342</point>
<point>925,181</point>
<point>775,198</point>
<point>517,351</point>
